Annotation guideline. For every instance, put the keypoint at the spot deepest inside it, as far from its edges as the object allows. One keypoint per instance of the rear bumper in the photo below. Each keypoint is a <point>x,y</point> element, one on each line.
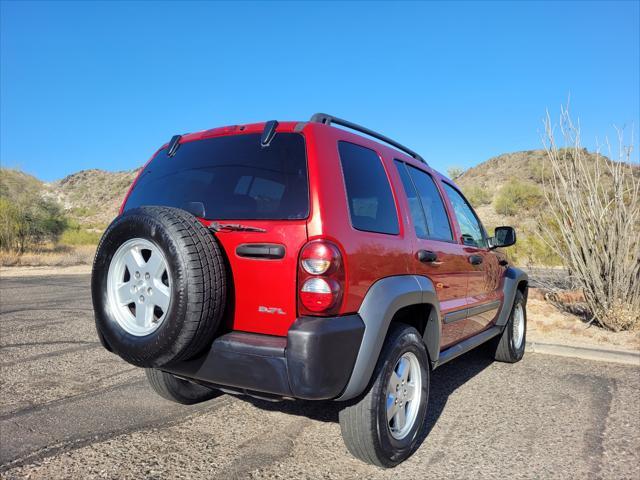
<point>313,362</point>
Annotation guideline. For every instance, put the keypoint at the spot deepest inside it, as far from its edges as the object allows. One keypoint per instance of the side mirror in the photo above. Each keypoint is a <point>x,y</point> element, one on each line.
<point>503,237</point>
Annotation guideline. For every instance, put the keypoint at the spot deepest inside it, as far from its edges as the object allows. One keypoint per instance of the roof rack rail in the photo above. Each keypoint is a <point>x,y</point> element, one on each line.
<point>329,119</point>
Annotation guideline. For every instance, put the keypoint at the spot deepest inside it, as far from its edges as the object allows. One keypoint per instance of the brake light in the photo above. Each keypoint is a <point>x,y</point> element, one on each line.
<point>321,278</point>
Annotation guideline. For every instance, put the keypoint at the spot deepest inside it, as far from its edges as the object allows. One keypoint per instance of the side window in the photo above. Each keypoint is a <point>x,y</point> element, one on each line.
<point>415,208</point>
<point>435,214</point>
<point>472,231</point>
<point>371,204</point>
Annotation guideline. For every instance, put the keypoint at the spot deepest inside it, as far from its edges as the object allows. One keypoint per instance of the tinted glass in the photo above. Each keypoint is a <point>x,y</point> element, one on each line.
<point>368,192</point>
<point>415,208</point>
<point>438,227</point>
<point>232,176</point>
<point>472,231</point>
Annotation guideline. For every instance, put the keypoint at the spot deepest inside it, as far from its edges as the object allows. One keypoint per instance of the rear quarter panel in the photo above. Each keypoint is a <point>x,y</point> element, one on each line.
<point>368,256</point>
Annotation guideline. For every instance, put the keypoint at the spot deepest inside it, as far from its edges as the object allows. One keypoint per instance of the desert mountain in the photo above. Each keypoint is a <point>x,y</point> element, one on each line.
<point>92,197</point>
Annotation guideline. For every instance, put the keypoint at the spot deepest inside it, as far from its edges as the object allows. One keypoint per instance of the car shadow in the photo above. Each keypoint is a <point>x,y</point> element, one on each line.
<point>444,381</point>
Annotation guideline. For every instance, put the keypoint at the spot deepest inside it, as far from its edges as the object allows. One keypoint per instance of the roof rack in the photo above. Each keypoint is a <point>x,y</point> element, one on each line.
<point>329,119</point>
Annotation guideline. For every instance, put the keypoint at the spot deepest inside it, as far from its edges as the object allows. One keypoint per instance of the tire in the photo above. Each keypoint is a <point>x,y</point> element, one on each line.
<point>509,346</point>
<point>177,390</point>
<point>184,304</point>
<point>366,431</point>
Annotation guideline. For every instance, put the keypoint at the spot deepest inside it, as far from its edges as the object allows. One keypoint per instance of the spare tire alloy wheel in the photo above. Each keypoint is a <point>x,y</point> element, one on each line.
<point>158,286</point>
<point>139,287</point>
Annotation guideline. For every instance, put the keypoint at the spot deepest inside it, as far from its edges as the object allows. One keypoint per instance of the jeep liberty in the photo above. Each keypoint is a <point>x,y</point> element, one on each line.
<point>314,260</point>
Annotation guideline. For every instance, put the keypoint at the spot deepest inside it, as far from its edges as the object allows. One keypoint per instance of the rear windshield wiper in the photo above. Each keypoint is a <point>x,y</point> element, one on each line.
<point>234,227</point>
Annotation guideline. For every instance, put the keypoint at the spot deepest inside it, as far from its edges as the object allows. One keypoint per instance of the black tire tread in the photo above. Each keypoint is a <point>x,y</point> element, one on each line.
<point>177,390</point>
<point>358,420</point>
<point>502,344</point>
<point>205,259</point>
<point>205,282</point>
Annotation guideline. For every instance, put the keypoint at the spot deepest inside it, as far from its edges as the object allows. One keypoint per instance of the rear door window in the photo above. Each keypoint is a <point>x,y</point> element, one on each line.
<point>234,177</point>
<point>437,221</point>
<point>415,207</point>
<point>371,204</point>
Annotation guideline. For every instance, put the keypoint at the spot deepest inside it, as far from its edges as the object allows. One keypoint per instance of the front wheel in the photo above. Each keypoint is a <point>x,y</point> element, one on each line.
<point>384,426</point>
<point>509,346</point>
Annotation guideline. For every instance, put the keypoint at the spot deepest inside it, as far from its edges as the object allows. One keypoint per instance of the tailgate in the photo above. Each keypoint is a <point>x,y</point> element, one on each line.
<point>263,295</point>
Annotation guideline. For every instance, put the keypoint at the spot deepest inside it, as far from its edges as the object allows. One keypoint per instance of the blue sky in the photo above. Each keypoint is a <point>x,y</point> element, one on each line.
<point>101,85</point>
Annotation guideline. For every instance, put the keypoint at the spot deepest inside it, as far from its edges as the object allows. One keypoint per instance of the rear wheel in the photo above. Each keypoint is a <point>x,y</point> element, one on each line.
<point>509,347</point>
<point>384,426</point>
<point>177,390</point>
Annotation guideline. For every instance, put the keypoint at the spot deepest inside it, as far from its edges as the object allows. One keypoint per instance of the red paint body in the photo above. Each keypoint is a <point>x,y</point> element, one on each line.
<point>366,257</point>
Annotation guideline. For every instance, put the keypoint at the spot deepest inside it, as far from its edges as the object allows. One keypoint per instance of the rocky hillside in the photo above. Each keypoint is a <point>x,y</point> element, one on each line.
<point>520,171</point>
<point>525,166</point>
<point>509,187</point>
<point>90,197</point>
<point>15,184</point>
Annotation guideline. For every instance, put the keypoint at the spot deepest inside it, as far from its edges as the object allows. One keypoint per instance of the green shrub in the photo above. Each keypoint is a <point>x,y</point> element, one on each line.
<point>76,235</point>
<point>530,249</point>
<point>477,195</point>
<point>29,222</point>
<point>538,172</point>
<point>83,211</point>
<point>454,172</point>
<point>516,196</point>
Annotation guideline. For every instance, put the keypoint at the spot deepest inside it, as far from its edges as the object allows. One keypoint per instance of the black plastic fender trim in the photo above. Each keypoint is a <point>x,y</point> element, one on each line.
<point>513,278</point>
<point>383,300</point>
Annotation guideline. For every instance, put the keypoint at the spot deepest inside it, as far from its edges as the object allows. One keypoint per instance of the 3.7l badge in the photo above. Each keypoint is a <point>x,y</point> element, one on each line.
<point>272,310</point>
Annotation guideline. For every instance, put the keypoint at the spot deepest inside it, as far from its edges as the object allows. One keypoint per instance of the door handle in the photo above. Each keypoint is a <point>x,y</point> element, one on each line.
<point>270,251</point>
<point>475,259</point>
<point>426,256</point>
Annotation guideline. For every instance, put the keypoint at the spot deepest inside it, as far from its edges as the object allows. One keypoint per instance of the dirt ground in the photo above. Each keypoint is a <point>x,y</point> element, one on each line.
<point>547,323</point>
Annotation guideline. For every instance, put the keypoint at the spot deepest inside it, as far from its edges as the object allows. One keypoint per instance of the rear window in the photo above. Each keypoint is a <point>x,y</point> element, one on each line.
<point>234,178</point>
<point>369,195</point>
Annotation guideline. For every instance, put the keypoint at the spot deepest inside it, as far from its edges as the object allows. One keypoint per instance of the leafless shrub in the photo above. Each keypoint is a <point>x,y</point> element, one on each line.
<point>594,207</point>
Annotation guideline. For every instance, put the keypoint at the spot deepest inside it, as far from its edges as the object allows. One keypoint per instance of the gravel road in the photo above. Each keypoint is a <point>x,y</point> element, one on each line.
<point>69,409</point>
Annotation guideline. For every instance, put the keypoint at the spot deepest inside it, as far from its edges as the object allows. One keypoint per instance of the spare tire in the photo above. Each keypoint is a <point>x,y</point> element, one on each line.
<point>158,286</point>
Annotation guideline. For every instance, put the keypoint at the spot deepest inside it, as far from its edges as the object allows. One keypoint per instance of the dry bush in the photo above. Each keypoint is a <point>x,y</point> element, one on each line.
<point>594,204</point>
<point>58,256</point>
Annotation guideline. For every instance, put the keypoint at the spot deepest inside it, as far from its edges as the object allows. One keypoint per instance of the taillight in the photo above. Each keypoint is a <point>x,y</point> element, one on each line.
<point>320,278</point>
<point>319,258</point>
<point>318,294</point>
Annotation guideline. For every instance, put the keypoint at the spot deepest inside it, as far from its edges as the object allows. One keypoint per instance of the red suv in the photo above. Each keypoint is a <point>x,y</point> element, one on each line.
<point>301,260</point>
